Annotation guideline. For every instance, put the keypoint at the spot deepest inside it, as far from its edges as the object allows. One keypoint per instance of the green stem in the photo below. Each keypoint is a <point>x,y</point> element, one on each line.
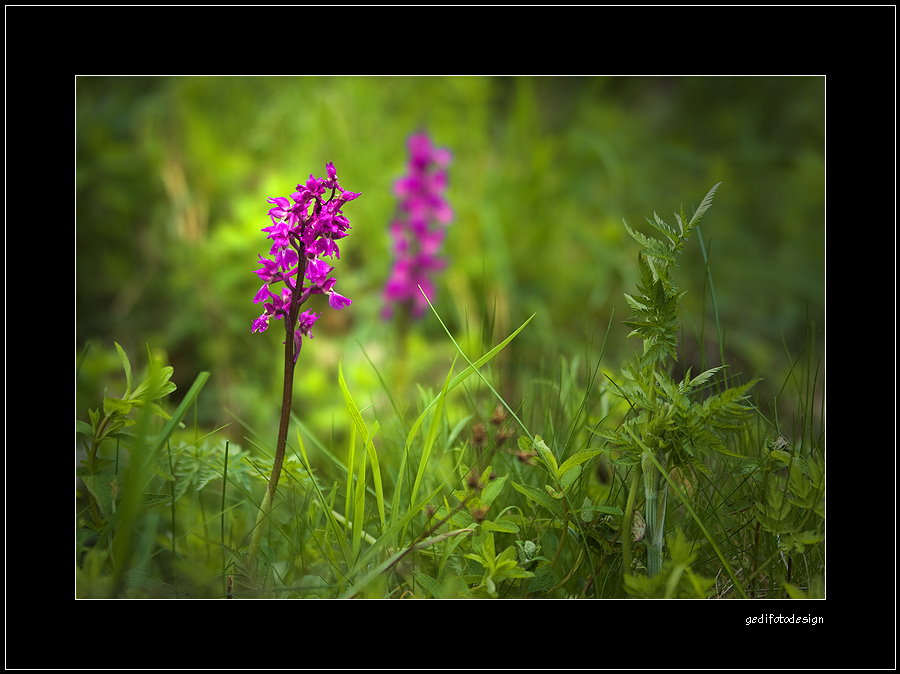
<point>627,519</point>
<point>655,493</point>
<point>222,518</point>
<point>287,395</point>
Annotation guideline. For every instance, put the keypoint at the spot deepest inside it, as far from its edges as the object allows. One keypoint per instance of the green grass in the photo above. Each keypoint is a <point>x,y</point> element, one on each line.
<point>473,473</point>
<point>407,499</point>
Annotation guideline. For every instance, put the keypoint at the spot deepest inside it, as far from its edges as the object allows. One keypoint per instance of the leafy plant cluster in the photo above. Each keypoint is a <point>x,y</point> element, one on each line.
<point>640,484</point>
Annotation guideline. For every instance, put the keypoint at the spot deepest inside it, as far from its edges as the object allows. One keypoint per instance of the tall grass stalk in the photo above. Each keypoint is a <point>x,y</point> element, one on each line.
<point>222,519</point>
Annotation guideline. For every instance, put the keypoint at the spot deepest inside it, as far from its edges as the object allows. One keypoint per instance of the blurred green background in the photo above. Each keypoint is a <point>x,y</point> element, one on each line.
<point>173,174</point>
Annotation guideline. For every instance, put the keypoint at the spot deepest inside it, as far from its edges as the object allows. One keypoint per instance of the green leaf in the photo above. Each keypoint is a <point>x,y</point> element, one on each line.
<point>431,435</point>
<point>659,224</point>
<point>126,365</point>
<point>160,412</point>
<point>539,497</point>
<point>704,206</point>
<point>493,489</point>
<point>555,493</point>
<point>116,406</point>
<point>156,500</point>
<point>703,376</point>
<point>157,384</point>
<point>577,459</point>
<point>486,543</point>
<point>84,428</point>
<point>638,306</point>
<point>609,510</point>
<point>645,241</point>
<point>477,558</point>
<point>568,478</point>
<point>180,411</point>
<point>794,592</point>
<point>503,526</point>
<point>434,588</point>
<point>104,487</point>
<point>546,456</point>
<point>368,442</point>
<point>359,509</point>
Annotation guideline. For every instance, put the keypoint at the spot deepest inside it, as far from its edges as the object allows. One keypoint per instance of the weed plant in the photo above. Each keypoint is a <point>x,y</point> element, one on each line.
<point>579,480</point>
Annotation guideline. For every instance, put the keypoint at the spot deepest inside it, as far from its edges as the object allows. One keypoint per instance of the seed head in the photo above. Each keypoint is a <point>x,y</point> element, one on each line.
<point>478,513</point>
<point>503,435</point>
<point>479,435</point>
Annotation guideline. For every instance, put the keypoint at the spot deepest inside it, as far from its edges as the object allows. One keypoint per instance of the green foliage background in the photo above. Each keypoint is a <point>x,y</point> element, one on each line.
<point>173,175</point>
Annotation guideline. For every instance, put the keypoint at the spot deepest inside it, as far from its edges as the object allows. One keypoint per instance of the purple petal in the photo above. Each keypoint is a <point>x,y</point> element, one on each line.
<point>337,301</point>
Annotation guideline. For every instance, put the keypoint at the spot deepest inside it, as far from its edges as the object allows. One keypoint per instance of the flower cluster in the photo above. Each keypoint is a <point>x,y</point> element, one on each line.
<point>302,233</point>
<point>419,227</point>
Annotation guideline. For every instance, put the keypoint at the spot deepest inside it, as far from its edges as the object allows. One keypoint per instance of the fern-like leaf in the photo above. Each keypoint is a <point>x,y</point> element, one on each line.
<point>703,207</point>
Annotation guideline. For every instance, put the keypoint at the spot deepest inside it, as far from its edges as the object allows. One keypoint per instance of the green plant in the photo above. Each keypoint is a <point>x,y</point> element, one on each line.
<point>672,424</point>
<point>117,528</point>
<point>99,473</point>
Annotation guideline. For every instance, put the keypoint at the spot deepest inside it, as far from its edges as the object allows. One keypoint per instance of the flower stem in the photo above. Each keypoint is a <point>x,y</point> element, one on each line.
<point>286,401</point>
<point>287,396</point>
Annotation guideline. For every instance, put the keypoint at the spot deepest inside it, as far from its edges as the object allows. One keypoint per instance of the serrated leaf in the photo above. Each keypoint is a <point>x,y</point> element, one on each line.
<point>635,304</point>
<point>703,207</point>
<point>703,377</point>
<point>659,224</point>
<point>156,500</point>
<point>637,236</point>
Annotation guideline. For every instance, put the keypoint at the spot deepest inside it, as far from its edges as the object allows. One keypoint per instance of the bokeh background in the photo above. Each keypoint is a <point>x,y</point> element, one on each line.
<point>173,174</point>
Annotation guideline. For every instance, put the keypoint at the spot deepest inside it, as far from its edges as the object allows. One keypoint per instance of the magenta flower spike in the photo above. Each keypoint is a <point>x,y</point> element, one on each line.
<point>305,228</point>
<point>419,228</point>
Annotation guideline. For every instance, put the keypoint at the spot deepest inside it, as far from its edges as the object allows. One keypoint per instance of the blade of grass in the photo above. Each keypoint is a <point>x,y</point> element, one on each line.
<point>430,437</point>
<point>140,471</point>
<point>396,557</point>
<point>351,475</point>
<point>368,442</point>
<point>475,367</point>
<point>359,507</point>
